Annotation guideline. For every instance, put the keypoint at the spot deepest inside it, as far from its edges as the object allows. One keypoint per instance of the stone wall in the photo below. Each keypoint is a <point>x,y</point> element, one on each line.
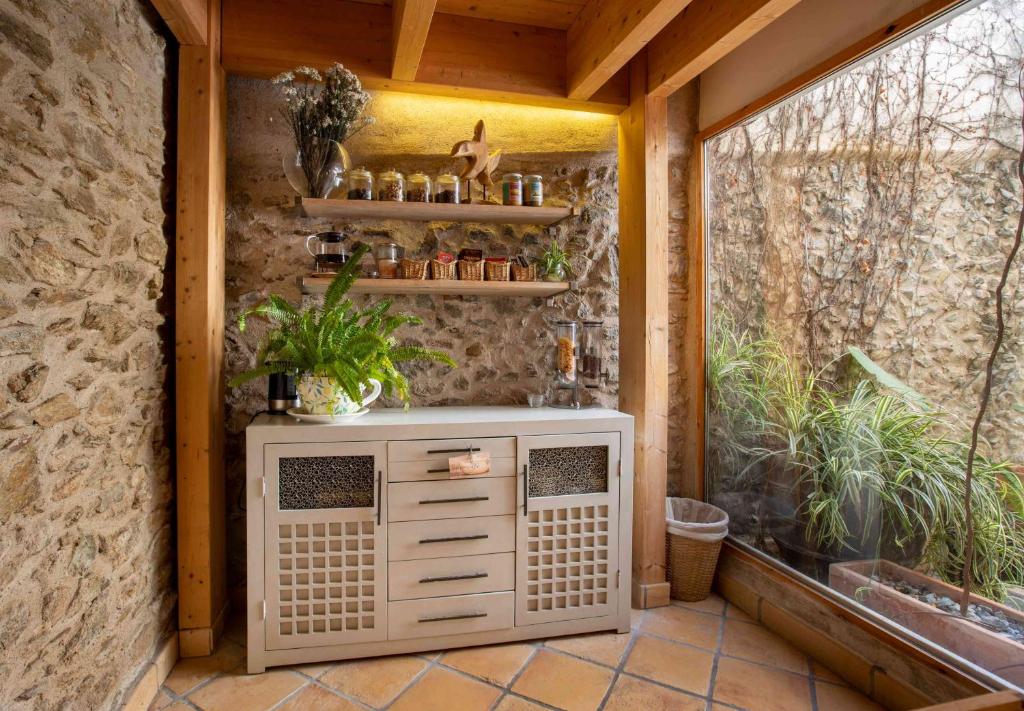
<point>504,346</point>
<point>86,545</point>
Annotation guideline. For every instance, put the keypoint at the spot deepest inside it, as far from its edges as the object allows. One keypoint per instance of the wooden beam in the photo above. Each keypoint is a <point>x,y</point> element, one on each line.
<point>702,34</point>
<point>186,18</point>
<point>643,322</point>
<point>607,34</point>
<point>463,56</point>
<point>410,21</point>
<point>199,340</point>
<point>692,359</point>
<point>996,701</point>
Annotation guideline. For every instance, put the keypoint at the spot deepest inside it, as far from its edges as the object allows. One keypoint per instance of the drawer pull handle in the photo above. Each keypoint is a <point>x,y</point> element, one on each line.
<point>439,471</point>
<point>452,539</point>
<point>470,449</point>
<point>467,616</point>
<point>450,578</point>
<point>456,501</point>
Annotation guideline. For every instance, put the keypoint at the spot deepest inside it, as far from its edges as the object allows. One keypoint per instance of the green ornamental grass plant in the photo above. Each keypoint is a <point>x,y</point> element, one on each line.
<point>337,340</point>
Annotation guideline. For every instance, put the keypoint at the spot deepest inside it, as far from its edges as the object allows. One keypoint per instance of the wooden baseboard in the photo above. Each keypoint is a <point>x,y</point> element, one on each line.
<point>148,684</point>
<point>648,595</point>
<point>201,641</point>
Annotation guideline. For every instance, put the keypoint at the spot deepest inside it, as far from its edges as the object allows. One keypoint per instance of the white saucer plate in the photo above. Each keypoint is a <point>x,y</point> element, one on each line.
<point>300,414</point>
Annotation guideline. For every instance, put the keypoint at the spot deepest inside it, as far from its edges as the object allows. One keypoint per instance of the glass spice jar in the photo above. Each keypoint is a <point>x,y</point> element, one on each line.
<point>447,189</point>
<point>386,255</point>
<point>418,188</point>
<point>512,189</point>
<point>533,191</point>
<point>565,353</point>
<point>391,186</point>
<point>360,184</point>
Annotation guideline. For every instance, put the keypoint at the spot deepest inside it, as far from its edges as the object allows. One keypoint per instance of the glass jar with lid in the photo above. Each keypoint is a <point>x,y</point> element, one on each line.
<point>591,354</point>
<point>360,184</point>
<point>565,354</point>
<point>387,255</point>
<point>447,188</point>
<point>512,189</point>
<point>533,191</point>
<point>391,186</point>
<point>418,188</point>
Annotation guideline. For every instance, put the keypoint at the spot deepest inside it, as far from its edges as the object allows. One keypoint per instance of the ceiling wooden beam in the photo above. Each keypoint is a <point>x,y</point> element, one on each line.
<point>410,21</point>
<point>186,18</point>
<point>607,34</point>
<point>702,34</point>
<point>463,56</point>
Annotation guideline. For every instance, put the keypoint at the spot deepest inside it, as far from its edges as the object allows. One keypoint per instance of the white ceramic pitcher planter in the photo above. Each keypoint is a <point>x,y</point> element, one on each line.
<point>322,395</point>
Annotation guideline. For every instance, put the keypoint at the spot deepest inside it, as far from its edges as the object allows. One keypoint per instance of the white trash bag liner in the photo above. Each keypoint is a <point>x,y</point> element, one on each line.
<point>695,519</point>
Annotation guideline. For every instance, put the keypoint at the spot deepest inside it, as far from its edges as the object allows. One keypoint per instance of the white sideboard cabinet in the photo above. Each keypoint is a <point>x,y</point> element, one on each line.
<point>360,544</point>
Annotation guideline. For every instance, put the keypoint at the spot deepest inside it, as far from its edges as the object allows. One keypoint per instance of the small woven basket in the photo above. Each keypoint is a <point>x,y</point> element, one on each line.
<point>470,271</point>
<point>521,273</point>
<point>442,270</point>
<point>691,567</point>
<point>496,271</point>
<point>413,268</point>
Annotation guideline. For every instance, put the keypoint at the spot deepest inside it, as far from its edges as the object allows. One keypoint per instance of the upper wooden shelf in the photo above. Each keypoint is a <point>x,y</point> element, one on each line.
<point>434,211</point>
<point>315,284</point>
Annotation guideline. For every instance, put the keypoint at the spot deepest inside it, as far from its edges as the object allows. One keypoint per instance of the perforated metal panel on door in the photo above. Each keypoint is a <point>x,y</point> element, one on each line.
<point>326,555</point>
<point>567,530</point>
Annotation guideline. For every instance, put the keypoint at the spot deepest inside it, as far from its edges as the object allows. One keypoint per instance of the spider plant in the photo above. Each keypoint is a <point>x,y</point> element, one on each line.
<point>555,263</point>
<point>351,346</point>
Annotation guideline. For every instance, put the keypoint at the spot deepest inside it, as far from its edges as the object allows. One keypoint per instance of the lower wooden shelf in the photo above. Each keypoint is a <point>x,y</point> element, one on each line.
<point>450,287</point>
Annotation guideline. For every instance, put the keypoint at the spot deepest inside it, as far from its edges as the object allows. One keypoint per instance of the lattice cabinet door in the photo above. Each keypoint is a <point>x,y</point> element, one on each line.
<point>567,534</point>
<point>326,544</point>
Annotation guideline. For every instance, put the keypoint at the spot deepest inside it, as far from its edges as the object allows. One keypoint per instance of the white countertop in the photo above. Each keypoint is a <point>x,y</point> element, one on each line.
<point>434,416</point>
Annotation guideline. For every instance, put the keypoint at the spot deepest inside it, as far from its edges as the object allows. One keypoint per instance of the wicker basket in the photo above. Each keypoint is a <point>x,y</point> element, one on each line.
<point>496,271</point>
<point>692,543</point>
<point>521,273</point>
<point>442,270</point>
<point>470,271</point>
<point>413,268</point>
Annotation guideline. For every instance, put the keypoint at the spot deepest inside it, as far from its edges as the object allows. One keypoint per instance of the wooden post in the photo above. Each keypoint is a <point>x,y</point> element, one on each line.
<point>199,341</point>
<point>643,322</point>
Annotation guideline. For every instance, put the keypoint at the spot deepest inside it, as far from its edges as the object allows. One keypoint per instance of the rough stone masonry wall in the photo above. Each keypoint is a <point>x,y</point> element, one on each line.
<point>504,346</point>
<point>86,551</point>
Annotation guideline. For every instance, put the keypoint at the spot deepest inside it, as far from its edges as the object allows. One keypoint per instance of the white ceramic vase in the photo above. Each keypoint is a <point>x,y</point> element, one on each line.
<point>323,395</point>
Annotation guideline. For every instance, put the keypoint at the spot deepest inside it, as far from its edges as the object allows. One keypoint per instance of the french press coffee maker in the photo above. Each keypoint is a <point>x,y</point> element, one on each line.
<point>328,251</point>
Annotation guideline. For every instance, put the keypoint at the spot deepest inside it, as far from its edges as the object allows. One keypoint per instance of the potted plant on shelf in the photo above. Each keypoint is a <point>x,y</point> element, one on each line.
<point>343,357</point>
<point>555,263</point>
<point>323,111</point>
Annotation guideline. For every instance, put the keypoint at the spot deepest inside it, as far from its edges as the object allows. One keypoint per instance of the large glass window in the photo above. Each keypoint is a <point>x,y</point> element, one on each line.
<point>856,234</point>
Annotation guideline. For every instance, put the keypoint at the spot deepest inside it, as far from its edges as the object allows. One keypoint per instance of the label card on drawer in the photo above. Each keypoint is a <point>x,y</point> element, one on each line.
<point>474,464</point>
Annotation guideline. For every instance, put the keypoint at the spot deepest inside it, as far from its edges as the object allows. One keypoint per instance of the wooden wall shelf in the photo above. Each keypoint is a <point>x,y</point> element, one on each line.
<point>318,285</point>
<point>433,211</point>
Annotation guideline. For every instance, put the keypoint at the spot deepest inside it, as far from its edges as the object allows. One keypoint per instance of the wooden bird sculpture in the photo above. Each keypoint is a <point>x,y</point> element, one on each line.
<point>479,164</point>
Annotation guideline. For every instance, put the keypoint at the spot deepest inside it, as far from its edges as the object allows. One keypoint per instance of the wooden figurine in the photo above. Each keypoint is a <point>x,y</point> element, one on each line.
<point>479,164</point>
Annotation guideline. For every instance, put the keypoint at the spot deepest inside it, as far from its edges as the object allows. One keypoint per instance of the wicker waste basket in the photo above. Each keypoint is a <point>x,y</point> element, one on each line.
<point>693,538</point>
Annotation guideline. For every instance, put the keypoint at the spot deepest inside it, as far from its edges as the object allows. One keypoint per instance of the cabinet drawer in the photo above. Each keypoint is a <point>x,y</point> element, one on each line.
<point>417,540</point>
<point>443,616</point>
<point>451,498</point>
<point>427,470</point>
<point>419,450</point>
<point>464,575</point>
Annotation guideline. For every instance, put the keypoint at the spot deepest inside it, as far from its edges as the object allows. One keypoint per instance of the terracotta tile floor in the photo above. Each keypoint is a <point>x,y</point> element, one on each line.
<point>700,657</point>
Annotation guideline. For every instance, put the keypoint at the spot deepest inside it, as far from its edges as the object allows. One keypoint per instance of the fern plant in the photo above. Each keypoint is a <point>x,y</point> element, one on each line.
<point>337,340</point>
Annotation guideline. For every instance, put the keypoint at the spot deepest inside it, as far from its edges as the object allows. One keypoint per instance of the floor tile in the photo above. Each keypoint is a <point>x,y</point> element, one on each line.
<point>713,605</point>
<point>162,700</point>
<point>190,672</point>
<point>735,613</point>
<point>564,682</point>
<point>635,617</point>
<point>683,625</point>
<point>631,694</point>
<point>684,668</point>
<point>497,664</point>
<point>759,644</point>
<point>842,698</point>
<point>763,688</point>
<point>514,703</point>
<point>605,648</point>
<point>443,690</point>
<point>255,692</point>
<point>825,674</point>
<point>317,698</point>
<point>314,670</point>
<point>374,681</point>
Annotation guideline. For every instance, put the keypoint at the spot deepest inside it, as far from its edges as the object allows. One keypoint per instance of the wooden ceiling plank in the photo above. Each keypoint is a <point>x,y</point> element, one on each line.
<point>553,14</point>
<point>186,18</point>
<point>607,34</point>
<point>410,23</point>
<point>702,34</point>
